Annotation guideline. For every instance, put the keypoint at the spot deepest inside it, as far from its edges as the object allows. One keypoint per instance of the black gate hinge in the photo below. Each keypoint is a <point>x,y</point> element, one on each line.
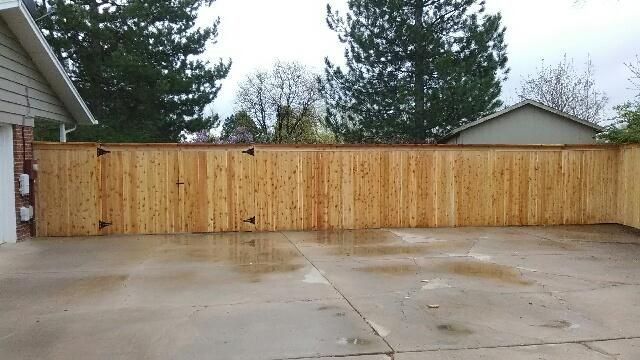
<point>251,220</point>
<point>102,151</point>
<point>103,224</point>
<point>250,151</point>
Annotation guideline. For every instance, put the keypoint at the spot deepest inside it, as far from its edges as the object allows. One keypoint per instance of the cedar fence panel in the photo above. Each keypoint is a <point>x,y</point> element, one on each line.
<point>170,188</point>
<point>629,186</point>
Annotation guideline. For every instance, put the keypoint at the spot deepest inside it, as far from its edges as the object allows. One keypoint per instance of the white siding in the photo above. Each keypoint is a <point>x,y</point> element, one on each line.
<point>19,76</point>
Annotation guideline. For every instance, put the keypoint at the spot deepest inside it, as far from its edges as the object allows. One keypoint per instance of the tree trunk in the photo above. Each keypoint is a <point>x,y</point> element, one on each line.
<point>418,91</point>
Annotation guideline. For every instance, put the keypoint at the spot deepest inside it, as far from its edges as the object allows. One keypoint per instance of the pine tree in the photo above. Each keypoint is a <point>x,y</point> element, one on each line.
<point>415,69</point>
<point>135,62</point>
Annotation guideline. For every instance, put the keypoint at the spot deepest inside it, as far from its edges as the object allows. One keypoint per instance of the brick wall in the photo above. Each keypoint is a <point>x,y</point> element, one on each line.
<point>21,153</point>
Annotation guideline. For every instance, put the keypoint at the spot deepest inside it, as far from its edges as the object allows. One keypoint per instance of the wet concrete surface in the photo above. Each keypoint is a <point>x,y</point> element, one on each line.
<point>569,292</point>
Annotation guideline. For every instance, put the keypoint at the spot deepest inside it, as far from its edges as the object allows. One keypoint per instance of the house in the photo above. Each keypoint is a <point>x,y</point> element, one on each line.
<point>33,87</point>
<point>528,122</point>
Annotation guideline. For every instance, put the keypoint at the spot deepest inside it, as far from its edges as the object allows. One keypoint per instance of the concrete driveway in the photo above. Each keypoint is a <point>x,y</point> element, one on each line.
<point>407,294</point>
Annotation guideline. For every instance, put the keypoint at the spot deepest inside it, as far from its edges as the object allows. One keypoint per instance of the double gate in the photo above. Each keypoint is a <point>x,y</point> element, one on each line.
<point>90,189</point>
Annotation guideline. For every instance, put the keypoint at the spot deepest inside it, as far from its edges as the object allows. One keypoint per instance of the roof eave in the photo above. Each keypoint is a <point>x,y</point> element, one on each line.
<point>33,41</point>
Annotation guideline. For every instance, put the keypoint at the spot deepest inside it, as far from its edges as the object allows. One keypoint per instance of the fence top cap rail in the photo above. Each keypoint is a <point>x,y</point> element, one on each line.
<point>319,147</point>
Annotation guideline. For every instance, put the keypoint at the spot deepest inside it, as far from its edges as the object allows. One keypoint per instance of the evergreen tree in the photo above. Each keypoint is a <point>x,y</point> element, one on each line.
<point>415,69</point>
<point>135,62</point>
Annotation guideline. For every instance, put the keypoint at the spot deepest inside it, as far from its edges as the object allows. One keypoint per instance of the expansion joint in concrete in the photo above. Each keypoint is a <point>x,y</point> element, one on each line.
<point>341,294</point>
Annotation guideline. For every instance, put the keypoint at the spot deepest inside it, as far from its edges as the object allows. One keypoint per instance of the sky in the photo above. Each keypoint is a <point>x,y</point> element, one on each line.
<point>256,33</point>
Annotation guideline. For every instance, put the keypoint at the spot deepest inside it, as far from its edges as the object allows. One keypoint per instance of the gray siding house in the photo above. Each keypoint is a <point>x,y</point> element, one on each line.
<point>528,122</point>
<point>33,87</point>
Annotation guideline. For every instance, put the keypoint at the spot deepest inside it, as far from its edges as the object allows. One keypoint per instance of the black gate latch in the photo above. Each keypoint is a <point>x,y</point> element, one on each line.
<point>103,224</point>
<point>251,220</point>
<point>250,151</point>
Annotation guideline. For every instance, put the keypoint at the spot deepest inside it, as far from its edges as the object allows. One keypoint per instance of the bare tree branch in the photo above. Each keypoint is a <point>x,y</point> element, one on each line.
<point>562,87</point>
<point>285,102</point>
<point>635,74</point>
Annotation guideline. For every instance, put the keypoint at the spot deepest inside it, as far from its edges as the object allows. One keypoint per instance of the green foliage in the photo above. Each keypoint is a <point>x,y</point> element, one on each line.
<point>135,62</point>
<point>289,128</point>
<point>415,69</point>
<point>241,119</point>
<point>627,130</point>
<point>295,126</point>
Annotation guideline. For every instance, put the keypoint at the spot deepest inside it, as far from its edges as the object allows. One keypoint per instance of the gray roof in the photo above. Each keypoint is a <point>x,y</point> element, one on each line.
<point>518,106</point>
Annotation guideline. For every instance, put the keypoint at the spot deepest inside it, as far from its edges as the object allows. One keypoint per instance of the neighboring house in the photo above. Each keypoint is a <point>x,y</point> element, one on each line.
<point>33,87</point>
<point>528,122</point>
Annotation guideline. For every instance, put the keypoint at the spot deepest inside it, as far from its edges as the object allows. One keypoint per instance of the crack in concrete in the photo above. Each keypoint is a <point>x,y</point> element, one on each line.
<point>411,291</point>
<point>342,295</point>
<point>389,355</point>
<point>585,279</point>
<point>599,351</point>
<point>569,342</point>
<point>585,343</point>
<point>580,241</point>
<point>8,336</point>
<point>475,242</point>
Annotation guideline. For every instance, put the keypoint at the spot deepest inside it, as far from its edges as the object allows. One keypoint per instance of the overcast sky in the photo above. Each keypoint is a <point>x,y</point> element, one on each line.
<point>256,33</point>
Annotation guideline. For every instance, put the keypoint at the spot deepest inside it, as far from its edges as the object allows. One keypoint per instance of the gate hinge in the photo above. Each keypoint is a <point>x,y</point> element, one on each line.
<point>103,224</point>
<point>102,151</point>
<point>250,151</point>
<point>251,220</point>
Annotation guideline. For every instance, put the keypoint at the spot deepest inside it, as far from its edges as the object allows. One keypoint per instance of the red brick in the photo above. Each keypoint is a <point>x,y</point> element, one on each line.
<point>19,155</point>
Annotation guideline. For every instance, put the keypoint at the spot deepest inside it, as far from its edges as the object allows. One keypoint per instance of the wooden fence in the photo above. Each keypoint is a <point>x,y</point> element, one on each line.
<point>629,186</point>
<point>156,189</point>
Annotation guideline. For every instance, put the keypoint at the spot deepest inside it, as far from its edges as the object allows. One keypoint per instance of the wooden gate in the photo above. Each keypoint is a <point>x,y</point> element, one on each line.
<point>163,189</point>
<point>143,189</point>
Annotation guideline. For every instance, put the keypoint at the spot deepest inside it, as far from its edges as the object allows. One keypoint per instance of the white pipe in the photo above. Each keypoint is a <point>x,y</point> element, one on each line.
<point>64,131</point>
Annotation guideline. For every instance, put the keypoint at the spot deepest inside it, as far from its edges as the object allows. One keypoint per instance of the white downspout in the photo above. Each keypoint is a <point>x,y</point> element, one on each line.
<point>64,131</point>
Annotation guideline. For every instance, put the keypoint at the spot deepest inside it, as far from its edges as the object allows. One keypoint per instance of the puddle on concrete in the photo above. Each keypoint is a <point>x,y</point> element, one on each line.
<point>391,269</point>
<point>333,308</point>
<point>377,243</point>
<point>454,329</point>
<point>557,324</point>
<point>486,271</point>
<point>95,285</point>
<point>347,238</point>
<point>269,268</point>
<point>353,341</point>
<point>558,244</point>
<point>250,254</point>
